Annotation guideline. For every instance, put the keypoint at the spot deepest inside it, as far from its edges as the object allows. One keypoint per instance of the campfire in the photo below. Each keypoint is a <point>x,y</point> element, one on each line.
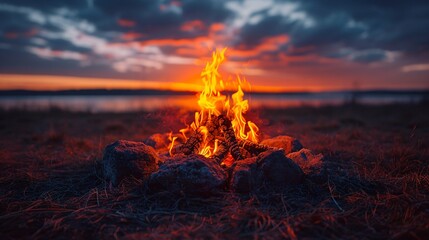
<point>219,150</point>
<point>219,130</point>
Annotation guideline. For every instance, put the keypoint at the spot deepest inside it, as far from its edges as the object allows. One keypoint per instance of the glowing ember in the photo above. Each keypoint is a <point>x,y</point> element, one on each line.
<point>214,104</point>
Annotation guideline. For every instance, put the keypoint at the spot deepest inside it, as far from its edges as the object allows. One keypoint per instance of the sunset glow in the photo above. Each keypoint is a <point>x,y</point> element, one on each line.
<point>280,46</point>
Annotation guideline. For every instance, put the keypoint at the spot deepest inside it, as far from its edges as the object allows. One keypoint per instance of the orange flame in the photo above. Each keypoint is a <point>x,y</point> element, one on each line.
<point>172,140</point>
<point>213,103</point>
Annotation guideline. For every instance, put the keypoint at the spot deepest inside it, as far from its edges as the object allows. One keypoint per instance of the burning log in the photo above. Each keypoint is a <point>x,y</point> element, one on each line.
<point>228,132</point>
<point>220,128</point>
<point>193,143</point>
<point>213,130</point>
<point>222,151</point>
<point>215,126</point>
<point>254,148</point>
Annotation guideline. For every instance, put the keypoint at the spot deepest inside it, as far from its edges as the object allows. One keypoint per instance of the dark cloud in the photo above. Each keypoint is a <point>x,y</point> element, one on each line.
<point>208,11</point>
<point>48,5</point>
<point>253,34</point>
<point>331,30</point>
<point>391,25</point>
<point>20,61</point>
<point>370,56</point>
<point>156,19</point>
<point>336,24</point>
<point>9,23</point>
<point>363,31</point>
<point>63,23</point>
<point>61,44</point>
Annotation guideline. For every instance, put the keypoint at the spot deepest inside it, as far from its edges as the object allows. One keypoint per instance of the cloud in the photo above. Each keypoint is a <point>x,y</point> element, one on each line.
<point>107,32</point>
<point>191,26</point>
<point>126,23</point>
<point>326,26</point>
<point>71,38</point>
<point>51,54</point>
<point>416,67</point>
<point>369,56</point>
<point>128,37</point>
<point>393,25</point>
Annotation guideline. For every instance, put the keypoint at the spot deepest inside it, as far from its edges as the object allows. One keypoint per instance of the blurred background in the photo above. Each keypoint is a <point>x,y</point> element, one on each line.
<point>111,55</point>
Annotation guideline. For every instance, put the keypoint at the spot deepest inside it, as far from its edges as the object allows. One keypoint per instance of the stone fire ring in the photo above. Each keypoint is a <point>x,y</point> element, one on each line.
<point>195,174</point>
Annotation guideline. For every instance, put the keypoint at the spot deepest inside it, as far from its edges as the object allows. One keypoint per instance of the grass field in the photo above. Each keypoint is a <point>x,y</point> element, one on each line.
<point>373,183</point>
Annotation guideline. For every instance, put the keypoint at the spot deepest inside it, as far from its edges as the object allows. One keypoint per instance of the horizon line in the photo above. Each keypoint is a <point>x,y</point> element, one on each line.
<point>131,92</point>
<point>52,83</point>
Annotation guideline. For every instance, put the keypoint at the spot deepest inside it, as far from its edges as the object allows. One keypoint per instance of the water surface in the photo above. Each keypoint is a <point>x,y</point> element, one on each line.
<point>126,103</point>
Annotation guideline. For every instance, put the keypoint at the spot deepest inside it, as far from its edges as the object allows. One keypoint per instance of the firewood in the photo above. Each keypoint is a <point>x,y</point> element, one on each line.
<point>245,153</point>
<point>226,127</point>
<point>254,148</point>
<point>193,143</point>
<point>221,152</point>
<point>212,129</point>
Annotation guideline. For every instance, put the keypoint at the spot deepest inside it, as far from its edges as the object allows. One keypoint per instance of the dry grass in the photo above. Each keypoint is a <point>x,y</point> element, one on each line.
<point>373,182</point>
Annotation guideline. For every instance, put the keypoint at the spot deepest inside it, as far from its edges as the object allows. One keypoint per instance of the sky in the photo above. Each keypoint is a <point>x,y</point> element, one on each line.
<point>305,45</point>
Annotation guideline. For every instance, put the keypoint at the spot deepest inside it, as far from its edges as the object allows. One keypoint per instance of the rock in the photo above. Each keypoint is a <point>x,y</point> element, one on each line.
<point>289,144</point>
<point>278,170</point>
<point>306,159</point>
<point>193,174</point>
<point>243,176</point>
<point>122,159</point>
<point>157,141</point>
<point>271,168</point>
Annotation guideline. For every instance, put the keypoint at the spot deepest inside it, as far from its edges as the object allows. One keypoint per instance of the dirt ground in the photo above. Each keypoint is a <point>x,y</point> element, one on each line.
<point>373,183</point>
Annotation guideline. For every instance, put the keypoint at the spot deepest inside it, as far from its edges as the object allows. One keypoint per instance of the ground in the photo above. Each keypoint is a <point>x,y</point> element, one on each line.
<point>373,182</point>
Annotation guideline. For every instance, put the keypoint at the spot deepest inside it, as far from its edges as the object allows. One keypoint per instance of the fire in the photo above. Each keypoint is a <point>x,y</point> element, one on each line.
<point>172,140</point>
<point>213,103</point>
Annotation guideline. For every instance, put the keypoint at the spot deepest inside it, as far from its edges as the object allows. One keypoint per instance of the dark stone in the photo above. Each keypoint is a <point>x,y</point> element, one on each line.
<point>193,174</point>
<point>243,176</point>
<point>123,159</point>
<point>306,159</point>
<point>271,168</point>
<point>278,170</point>
<point>289,144</point>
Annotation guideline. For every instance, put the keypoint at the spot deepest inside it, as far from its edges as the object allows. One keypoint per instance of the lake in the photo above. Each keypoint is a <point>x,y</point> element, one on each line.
<point>127,103</point>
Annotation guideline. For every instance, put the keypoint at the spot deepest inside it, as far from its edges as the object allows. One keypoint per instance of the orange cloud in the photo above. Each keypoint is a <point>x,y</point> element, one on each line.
<point>306,58</point>
<point>126,23</point>
<point>196,47</point>
<point>176,3</point>
<point>215,27</point>
<point>195,52</point>
<point>176,42</point>
<point>268,44</point>
<point>192,26</point>
<point>10,35</point>
<point>131,36</point>
<point>30,33</point>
